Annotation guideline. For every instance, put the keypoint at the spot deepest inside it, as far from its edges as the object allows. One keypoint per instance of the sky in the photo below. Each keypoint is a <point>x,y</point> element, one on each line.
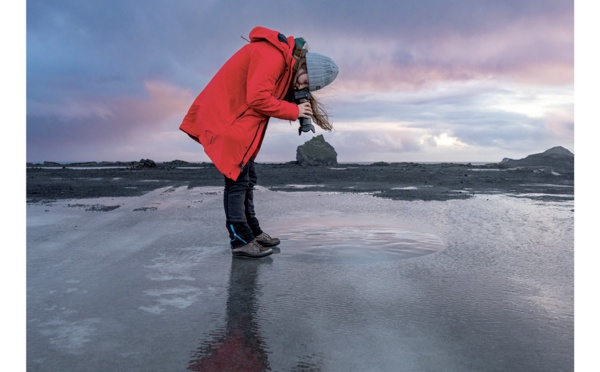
<point>420,80</point>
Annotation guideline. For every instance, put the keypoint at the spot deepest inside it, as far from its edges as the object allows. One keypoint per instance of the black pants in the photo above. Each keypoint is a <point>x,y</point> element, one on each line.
<point>238,201</point>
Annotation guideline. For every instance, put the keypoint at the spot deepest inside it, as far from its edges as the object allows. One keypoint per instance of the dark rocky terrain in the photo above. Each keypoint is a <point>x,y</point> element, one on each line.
<point>548,176</point>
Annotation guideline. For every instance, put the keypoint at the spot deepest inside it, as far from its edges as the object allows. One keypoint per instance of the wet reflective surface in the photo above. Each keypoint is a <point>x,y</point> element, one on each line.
<point>358,283</point>
<point>353,239</point>
<point>238,346</point>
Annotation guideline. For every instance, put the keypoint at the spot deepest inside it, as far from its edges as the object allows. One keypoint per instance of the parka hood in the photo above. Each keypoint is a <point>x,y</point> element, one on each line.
<point>276,38</point>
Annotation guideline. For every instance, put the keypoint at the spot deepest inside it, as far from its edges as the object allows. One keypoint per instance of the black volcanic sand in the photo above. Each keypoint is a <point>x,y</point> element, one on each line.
<point>399,181</point>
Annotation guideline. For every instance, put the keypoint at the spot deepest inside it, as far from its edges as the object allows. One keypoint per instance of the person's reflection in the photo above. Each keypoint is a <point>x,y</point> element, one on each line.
<point>239,347</point>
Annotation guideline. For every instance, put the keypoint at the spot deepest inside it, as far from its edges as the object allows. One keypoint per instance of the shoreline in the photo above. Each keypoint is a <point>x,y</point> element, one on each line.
<point>397,181</point>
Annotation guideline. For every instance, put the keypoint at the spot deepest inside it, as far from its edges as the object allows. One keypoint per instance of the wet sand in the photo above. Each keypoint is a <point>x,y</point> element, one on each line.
<point>398,181</point>
<point>381,267</point>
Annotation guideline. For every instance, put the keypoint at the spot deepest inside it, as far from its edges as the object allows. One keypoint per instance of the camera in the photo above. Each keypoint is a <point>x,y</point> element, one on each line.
<point>301,96</point>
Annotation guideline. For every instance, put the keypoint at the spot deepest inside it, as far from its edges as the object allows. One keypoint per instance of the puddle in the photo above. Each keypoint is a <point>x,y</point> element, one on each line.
<point>303,186</point>
<point>545,185</point>
<point>355,240</point>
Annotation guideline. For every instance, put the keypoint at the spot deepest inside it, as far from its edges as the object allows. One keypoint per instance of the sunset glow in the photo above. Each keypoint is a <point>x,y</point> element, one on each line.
<point>419,80</point>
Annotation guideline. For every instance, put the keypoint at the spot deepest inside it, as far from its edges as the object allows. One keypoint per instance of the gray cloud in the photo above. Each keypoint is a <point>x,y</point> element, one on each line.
<point>102,72</point>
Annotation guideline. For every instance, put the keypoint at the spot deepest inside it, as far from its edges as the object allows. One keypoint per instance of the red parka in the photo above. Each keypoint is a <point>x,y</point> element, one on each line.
<point>230,116</point>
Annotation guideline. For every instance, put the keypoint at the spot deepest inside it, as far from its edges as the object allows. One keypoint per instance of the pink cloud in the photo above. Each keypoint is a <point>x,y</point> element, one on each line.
<point>163,102</point>
<point>86,128</point>
<point>536,51</point>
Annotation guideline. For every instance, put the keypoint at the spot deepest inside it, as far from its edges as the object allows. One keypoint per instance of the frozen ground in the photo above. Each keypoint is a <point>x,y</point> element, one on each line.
<point>360,283</point>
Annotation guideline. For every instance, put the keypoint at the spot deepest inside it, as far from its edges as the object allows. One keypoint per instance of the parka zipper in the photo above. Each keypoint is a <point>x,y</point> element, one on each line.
<point>250,146</point>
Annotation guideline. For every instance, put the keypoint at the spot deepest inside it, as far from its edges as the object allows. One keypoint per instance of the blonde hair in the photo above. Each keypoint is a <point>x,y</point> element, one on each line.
<point>319,116</point>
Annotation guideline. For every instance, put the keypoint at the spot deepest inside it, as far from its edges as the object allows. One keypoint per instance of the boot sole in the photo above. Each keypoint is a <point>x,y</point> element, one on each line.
<point>252,255</point>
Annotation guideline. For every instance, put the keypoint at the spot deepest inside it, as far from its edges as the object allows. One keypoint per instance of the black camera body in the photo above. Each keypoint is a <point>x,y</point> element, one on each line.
<point>301,96</point>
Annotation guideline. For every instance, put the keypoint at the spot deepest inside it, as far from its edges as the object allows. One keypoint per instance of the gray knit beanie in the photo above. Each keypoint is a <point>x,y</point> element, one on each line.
<point>321,70</point>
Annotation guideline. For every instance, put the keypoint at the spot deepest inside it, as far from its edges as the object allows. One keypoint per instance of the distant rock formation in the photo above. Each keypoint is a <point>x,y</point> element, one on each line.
<point>555,157</point>
<point>177,162</point>
<point>145,163</point>
<point>316,152</point>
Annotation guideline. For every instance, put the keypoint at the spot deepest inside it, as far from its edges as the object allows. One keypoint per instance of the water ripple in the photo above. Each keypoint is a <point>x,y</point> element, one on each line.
<point>359,243</point>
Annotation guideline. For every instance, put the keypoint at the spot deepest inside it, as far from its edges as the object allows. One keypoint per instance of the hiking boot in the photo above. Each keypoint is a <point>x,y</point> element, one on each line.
<point>266,241</point>
<point>251,250</point>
